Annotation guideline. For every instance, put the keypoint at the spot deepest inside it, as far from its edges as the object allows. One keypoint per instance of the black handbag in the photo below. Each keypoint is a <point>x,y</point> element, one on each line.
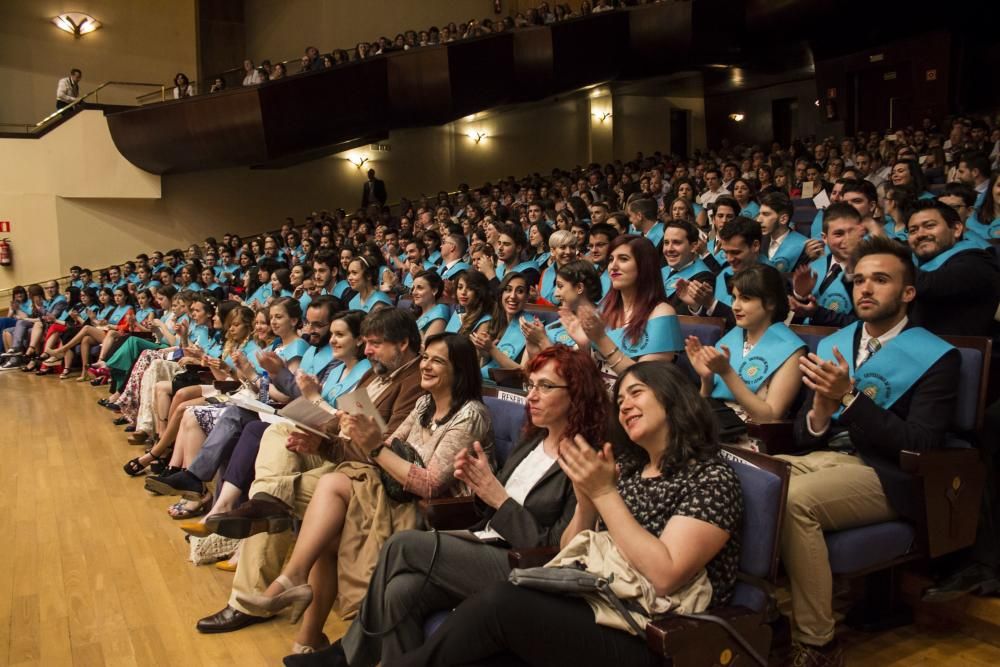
<point>394,488</point>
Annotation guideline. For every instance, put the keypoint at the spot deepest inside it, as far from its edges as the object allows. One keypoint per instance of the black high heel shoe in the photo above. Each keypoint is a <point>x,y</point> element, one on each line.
<point>121,421</point>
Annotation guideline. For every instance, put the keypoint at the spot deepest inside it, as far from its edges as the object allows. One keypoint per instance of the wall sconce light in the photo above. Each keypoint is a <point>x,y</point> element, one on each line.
<point>358,161</point>
<point>737,117</point>
<point>816,102</point>
<point>76,23</point>
<point>602,116</point>
<point>476,135</point>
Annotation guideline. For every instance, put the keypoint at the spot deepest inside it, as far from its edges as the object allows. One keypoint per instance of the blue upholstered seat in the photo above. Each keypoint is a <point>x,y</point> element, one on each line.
<point>763,498</point>
<point>968,390</point>
<point>708,333</point>
<point>508,419</point>
<point>858,549</point>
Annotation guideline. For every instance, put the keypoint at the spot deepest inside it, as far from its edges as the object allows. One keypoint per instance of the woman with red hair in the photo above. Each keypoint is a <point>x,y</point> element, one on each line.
<point>635,322</point>
<point>527,504</point>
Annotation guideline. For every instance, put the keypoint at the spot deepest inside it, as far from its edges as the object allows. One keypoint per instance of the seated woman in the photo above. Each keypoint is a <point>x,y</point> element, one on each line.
<point>635,322</point>
<point>258,284</point>
<point>501,345</point>
<point>363,277</point>
<point>527,504</point>
<point>475,302</point>
<point>94,334</point>
<point>426,291</point>
<point>907,172</point>
<point>743,193</point>
<point>564,245</point>
<point>348,348</point>
<point>667,502</point>
<point>281,286</point>
<point>64,327</point>
<point>189,276</point>
<point>210,284</point>
<point>172,308</point>
<point>238,329</point>
<point>897,203</point>
<point>577,282</point>
<point>145,313</point>
<point>445,422</point>
<point>538,238</point>
<point>755,367</point>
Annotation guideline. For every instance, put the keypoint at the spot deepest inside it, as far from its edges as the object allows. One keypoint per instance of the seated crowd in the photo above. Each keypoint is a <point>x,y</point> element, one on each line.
<point>575,284</point>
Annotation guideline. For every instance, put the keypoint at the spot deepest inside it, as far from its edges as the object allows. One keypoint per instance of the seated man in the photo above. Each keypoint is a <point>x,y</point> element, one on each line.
<point>958,286</point>
<point>393,384</point>
<point>785,248</point>
<point>877,387</point>
<point>680,250</point>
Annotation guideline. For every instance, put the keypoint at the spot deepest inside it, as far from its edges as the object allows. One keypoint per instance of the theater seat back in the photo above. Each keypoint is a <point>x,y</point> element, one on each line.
<point>508,419</point>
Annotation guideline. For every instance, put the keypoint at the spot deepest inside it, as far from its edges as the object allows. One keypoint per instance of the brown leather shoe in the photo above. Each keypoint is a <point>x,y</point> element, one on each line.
<point>252,517</point>
<point>228,620</point>
<point>803,655</point>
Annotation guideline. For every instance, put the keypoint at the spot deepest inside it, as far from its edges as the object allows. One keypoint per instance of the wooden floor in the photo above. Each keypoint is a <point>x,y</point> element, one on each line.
<point>94,572</point>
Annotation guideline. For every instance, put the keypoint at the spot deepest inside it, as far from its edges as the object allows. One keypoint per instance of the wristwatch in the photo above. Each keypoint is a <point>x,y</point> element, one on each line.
<point>373,454</point>
<point>848,398</point>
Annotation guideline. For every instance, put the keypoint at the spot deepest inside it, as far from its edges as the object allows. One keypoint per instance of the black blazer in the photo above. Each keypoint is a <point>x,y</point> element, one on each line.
<point>681,307</point>
<point>824,317</point>
<point>961,297</point>
<point>917,421</point>
<point>547,509</point>
<point>373,191</point>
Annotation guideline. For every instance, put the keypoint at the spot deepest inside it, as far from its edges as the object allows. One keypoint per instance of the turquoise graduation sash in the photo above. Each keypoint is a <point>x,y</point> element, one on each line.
<point>722,294</point>
<point>340,289</point>
<point>890,230</point>
<point>316,359</point>
<point>143,313</point>
<point>938,261</point>
<point>520,268</point>
<point>981,230</point>
<point>835,297</point>
<point>788,252</point>
<point>720,256</point>
<point>605,283</point>
<point>772,350</point>
<point>200,335</point>
<point>542,259</point>
<point>434,257</point>
<point>337,383</point>
<point>448,274</point>
<point>437,312</point>
<point>662,334</point>
<point>294,350</point>
<point>891,371</point>
<point>511,343</point>
<point>455,323</point>
<point>251,348</point>
<point>262,294</point>
<point>375,297</point>
<point>751,210</point>
<point>688,272</point>
<point>105,313</point>
<point>655,234</point>
<point>557,334</point>
<point>816,228</point>
<point>547,285</point>
<point>408,277</point>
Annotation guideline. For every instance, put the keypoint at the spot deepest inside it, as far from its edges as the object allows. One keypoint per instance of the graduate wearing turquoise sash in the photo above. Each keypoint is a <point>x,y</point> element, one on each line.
<point>889,373</point>
<point>456,268</point>
<point>787,254</point>
<point>438,311</point>
<point>772,350</point>
<point>722,293</point>
<point>342,381</point>
<point>511,343</point>
<point>662,334</point>
<point>366,305</point>
<point>671,277</point>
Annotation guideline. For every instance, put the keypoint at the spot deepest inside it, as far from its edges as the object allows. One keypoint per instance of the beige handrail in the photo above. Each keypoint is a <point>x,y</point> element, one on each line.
<point>59,112</point>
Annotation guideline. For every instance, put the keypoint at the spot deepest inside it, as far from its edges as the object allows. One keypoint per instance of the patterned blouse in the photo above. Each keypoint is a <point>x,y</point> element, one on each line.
<point>440,443</point>
<point>705,490</point>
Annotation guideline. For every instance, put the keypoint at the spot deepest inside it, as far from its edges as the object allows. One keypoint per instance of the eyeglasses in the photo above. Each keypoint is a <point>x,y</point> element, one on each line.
<point>544,388</point>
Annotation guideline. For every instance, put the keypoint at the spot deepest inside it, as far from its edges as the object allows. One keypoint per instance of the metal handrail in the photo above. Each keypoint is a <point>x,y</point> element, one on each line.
<point>72,105</point>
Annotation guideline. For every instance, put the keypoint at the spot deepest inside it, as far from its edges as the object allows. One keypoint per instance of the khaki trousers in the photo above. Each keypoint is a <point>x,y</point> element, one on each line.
<point>292,479</point>
<point>828,491</point>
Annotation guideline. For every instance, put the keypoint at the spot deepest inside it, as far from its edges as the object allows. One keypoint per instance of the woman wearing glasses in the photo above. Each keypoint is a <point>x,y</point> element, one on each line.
<point>527,504</point>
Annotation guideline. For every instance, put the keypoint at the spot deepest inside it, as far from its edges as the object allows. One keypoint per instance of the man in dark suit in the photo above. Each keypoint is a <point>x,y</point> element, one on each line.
<point>374,191</point>
<point>876,388</point>
<point>958,285</point>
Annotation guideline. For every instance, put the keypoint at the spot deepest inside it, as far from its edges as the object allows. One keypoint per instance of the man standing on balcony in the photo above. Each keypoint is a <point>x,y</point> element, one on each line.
<point>68,89</point>
<point>374,191</point>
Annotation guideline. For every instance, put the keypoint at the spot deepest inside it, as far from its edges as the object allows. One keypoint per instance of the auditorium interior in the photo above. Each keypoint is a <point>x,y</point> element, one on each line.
<point>499,332</point>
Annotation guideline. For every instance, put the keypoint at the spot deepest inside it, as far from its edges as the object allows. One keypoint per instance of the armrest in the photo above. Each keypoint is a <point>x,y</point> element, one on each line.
<point>530,557</point>
<point>952,482</point>
<point>450,513</point>
<point>689,642</point>
<point>778,436</point>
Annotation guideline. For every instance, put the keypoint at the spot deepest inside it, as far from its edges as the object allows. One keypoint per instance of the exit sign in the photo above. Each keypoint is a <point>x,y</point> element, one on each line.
<point>4,226</point>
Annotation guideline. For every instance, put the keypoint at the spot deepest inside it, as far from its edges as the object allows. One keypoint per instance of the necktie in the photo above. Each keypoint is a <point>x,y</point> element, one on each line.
<point>831,275</point>
<point>871,348</point>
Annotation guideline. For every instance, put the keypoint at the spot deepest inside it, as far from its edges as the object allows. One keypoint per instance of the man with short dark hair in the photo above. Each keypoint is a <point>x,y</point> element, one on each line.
<point>642,218</point>
<point>713,185</point>
<point>373,191</point>
<point>785,248</point>
<point>68,89</point>
<point>958,286</point>
<point>415,261</point>
<point>286,477</point>
<point>723,210</point>
<point>600,236</point>
<point>974,171</point>
<point>741,240</point>
<point>680,243</point>
<point>453,247</point>
<point>854,429</point>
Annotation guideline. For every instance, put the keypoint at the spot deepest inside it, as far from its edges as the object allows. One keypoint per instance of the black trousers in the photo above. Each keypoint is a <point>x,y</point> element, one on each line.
<point>508,625</point>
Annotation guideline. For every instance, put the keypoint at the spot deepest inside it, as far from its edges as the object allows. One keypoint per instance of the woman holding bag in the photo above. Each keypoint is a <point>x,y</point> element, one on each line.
<point>674,510</point>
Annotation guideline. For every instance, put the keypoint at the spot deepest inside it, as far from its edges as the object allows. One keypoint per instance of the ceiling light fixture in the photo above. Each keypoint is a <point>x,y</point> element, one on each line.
<point>76,23</point>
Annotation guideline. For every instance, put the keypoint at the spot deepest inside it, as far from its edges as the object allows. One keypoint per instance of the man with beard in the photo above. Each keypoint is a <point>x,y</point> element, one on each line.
<point>289,466</point>
<point>318,361</point>
<point>876,387</point>
<point>958,285</point>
